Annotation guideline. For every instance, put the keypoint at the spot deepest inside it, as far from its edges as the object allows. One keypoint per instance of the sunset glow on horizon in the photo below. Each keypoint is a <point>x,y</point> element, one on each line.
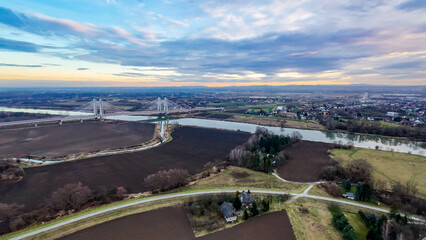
<point>127,43</point>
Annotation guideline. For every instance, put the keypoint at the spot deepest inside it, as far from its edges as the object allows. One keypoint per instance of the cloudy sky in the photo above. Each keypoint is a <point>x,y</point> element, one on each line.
<point>212,43</point>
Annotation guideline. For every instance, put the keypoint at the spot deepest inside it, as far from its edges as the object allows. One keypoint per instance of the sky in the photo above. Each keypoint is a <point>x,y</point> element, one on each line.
<point>82,43</point>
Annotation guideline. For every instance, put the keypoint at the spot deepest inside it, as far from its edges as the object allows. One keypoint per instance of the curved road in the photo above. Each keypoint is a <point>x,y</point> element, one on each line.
<point>296,195</point>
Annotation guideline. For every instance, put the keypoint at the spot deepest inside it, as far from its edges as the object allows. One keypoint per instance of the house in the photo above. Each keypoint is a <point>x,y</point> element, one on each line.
<point>349,195</point>
<point>228,212</point>
<point>246,199</point>
<point>392,114</point>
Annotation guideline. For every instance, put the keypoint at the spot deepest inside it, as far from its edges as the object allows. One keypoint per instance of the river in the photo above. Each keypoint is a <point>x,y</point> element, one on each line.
<point>358,140</point>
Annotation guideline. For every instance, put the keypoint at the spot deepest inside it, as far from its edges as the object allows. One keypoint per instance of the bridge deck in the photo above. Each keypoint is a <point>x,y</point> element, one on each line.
<point>85,117</point>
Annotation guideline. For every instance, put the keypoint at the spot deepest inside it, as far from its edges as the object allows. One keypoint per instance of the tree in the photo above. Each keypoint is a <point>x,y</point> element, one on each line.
<point>363,192</point>
<point>265,205</point>
<point>8,212</point>
<point>256,161</point>
<point>237,203</point>
<point>164,180</point>
<point>348,233</point>
<point>72,196</point>
<point>358,192</point>
<point>359,170</point>
<point>254,210</point>
<point>347,184</point>
<point>237,155</point>
<point>246,216</point>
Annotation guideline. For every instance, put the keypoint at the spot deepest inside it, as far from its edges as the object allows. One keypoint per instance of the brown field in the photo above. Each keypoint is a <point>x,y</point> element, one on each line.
<point>307,159</point>
<point>61,140</point>
<point>161,224</point>
<point>271,226</point>
<point>172,223</point>
<point>190,149</point>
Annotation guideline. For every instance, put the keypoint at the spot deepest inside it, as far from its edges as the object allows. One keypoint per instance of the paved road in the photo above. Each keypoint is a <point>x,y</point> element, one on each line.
<point>297,195</point>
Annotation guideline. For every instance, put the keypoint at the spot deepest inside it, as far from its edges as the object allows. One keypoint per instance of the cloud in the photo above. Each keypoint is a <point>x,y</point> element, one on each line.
<point>19,65</point>
<point>413,5</point>
<point>226,41</point>
<point>407,65</point>
<point>49,26</point>
<point>21,46</point>
<point>82,69</point>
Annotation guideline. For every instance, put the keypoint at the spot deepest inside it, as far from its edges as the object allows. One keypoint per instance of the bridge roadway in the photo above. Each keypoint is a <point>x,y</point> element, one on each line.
<point>90,117</point>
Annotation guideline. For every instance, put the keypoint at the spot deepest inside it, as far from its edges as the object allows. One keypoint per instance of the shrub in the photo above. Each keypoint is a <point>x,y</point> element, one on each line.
<point>341,223</point>
<point>165,180</point>
<point>331,188</point>
<point>70,197</point>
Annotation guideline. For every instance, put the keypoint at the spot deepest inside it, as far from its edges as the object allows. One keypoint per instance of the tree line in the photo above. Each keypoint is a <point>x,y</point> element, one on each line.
<point>357,126</point>
<point>68,199</point>
<point>263,151</point>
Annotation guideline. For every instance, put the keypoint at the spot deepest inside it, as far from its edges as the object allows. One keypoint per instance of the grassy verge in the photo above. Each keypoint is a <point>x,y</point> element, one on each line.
<point>356,222</point>
<point>315,223</point>
<point>389,166</point>
<point>318,191</point>
<point>242,178</point>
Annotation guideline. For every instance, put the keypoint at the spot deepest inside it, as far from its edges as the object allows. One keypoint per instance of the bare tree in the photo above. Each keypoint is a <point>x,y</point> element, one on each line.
<point>164,180</point>
<point>237,155</point>
<point>70,197</point>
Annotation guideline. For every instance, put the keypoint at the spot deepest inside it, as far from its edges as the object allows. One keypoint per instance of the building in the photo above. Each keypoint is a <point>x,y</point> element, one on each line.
<point>349,195</point>
<point>246,199</point>
<point>392,114</point>
<point>228,212</point>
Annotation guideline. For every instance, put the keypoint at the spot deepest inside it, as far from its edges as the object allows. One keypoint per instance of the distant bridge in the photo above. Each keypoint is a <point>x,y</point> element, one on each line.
<point>102,109</point>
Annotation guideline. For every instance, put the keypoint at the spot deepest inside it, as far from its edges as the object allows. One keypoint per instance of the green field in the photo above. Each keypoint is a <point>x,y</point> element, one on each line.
<point>389,166</point>
<point>314,224</point>
<point>236,177</point>
<point>356,222</point>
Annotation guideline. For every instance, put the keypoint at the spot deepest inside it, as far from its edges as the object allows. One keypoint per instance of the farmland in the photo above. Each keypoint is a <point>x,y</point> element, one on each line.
<point>389,166</point>
<point>262,120</point>
<point>275,225</point>
<point>151,225</point>
<point>307,160</point>
<point>161,224</point>
<point>190,149</point>
<point>60,140</point>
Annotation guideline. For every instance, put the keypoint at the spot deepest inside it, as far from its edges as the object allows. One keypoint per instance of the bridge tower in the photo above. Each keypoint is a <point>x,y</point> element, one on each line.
<point>166,106</point>
<point>95,109</point>
<point>158,104</point>
<point>101,109</point>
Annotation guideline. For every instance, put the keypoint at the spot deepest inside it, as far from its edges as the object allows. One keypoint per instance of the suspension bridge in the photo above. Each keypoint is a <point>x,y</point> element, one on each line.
<point>99,109</point>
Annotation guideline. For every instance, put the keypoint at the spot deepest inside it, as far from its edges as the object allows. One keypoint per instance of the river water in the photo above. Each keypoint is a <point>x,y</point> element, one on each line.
<point>358,140</point>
